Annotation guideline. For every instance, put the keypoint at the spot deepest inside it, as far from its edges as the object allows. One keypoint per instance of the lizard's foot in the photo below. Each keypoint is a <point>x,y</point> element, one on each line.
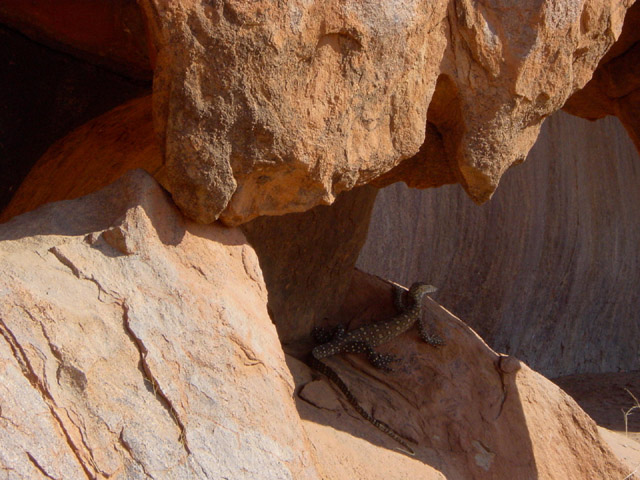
<point>324,335</point>
<point>433,340</point>
<point>378,360</point>
<point>382,361</point>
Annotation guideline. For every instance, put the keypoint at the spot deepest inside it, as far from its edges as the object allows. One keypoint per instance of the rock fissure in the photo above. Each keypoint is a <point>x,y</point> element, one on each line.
<point>40,468</point>
<point>505,388</point>
<point>54,349</point>
<point>31,376</point>
<point>132,454</point>
<point>150,377</point>
<point>378,377</point>
<point>249,355</point>
<point>78,422</point>
<point>67,262</point>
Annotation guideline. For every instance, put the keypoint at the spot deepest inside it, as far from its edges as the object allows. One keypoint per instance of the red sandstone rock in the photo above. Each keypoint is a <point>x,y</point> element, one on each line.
<point>267,109</point>
<point>136,343</point>
<point>615,86</point>
<point>468,419</point>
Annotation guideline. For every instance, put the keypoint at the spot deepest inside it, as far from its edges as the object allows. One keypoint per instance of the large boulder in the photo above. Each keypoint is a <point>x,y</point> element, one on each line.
<point>135,343</point>
<point>265,109</point>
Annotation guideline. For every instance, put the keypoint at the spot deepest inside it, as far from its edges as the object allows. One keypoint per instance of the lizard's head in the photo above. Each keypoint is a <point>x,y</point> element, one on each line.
<point>420,289</point>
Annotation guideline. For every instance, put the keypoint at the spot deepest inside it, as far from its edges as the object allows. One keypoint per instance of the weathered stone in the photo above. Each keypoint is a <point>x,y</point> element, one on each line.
<point>546,271</point>
<point>137,344</point>
<point>267,109</point>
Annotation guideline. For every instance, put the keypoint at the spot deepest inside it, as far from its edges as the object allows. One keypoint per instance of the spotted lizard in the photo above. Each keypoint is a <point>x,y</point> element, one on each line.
<point>365,338</point>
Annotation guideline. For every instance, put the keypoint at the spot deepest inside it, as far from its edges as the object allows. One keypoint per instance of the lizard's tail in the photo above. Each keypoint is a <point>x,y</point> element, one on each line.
<point>333,376</point>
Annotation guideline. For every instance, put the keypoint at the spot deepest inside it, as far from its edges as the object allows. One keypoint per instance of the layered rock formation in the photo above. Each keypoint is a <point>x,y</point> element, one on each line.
<point>547,270</point>
<point>135,343</point>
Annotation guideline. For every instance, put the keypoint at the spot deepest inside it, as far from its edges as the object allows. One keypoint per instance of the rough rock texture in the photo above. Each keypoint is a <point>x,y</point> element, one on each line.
<point>268,109</point>
<point>307,258</point>
<point>615,86</point>
<point>333,96</point>
<point>548,270</point>
<point>111,32</point>
<point>136,344</point>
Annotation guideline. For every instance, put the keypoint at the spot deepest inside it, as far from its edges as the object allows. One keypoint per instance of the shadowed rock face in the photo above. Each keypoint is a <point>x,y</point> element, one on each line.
<point>267,109</point>
<point>135,343</point>
<point>108,32</point>
<point>615,86</point>
<point>548,270</point>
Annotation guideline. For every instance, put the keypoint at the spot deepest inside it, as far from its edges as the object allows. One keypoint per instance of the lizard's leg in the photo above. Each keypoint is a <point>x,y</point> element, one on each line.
<point>378,360</point>
<point>433,340</point>
<point>399,299</point>
<point>324,335</point>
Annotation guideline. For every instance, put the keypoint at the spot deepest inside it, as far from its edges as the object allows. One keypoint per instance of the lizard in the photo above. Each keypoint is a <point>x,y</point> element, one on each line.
<point>365,338</point>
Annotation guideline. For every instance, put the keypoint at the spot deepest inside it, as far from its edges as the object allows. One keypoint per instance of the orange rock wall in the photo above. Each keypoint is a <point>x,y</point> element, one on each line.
<point>548,269</point>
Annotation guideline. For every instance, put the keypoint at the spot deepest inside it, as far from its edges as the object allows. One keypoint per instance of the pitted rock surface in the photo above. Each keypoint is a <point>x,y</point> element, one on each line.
<point>267,108</point>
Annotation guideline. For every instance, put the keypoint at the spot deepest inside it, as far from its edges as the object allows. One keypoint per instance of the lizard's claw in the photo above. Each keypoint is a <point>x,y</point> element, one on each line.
<point>383,361</point>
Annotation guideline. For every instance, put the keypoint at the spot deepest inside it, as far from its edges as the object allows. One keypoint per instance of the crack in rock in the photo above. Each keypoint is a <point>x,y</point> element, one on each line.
<point>148,376</point>
<point>67,262</point>
<point>40,468</point>
<point>31,376</point>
